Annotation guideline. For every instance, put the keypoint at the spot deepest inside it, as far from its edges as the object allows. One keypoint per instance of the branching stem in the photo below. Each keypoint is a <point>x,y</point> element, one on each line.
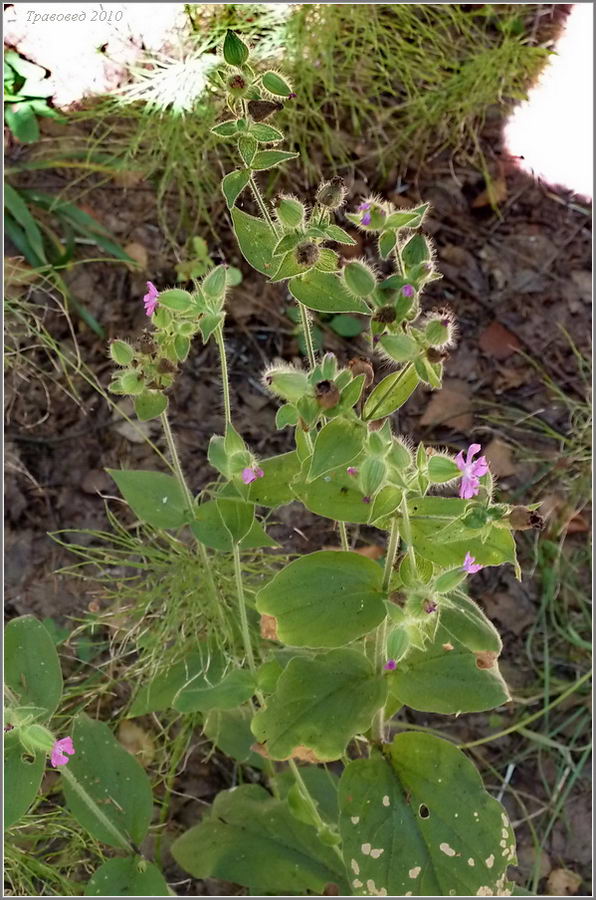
<point>219,339</point>
<point>378,725</point>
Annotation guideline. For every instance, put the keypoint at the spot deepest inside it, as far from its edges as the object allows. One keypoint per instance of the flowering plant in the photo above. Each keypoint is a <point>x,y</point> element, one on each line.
<point>343,642</point>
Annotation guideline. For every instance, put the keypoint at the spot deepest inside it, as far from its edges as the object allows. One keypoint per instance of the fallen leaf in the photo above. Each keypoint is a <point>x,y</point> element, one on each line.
<point>494,194</point>
<point>128,179</point>
<point>17,275</point>
<point>498,342</point>
<point>450,406</point>
<point>514,611</point>
<point>563,883</point>
<point>137,252</point>
<point>138,743</point>
<point>371,551</point>
<point>268,627</point>
<point>96,481</point>
<point>526,860</point>
<point>500,459</point>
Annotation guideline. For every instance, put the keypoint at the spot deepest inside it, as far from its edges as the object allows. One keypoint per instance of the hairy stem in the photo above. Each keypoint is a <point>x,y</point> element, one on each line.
<point>306,796</point>
<point>242,609</point>
<point>261,203</point>
<point>407,532</point>
<point>99,814</point>
<point>378,725</point>
<point>310,347</point>
<point>219,339</point>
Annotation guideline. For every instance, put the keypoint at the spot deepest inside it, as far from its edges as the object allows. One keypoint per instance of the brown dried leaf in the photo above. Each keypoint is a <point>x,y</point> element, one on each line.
<point>494,194</point>
<point>134,739</point>
<point>450,406</point>
<point>138,252</point>
<point>371,551</point>
<point>498,342</point>
<point>563,883</point>
<point>499,457</point>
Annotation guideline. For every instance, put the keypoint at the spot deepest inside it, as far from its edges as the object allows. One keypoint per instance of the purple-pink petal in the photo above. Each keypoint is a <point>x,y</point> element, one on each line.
<point>390,665</point>
<point>61,750</point>
<point>470,565</point>
<point>408,290</point>
<point>352,470</point>
<point>150,298</point>
<point>471,470</point>
<point>366,219</point>
<point>251,473</point>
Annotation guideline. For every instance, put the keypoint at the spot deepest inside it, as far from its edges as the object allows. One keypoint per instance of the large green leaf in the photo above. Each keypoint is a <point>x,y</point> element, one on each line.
<point>338,443</point>
<point>325,292</point>
<point>417,821</point>
<point>254,840</point>
<point>128,877</point>
<point>463,619</point>
<point>209,529</point>
<point>229,730</point>
<point>32,667</point>
<point>320,703</point>
<point>448,681</point>
<point>22,777</point>
<point>256,239</point>
<point>499,547</point>
<point>106,789</point>
<point>156,498</point>
<point>233,184</point>
<point>391,393</point>
<point>335,496</point>
<point>325,599</point>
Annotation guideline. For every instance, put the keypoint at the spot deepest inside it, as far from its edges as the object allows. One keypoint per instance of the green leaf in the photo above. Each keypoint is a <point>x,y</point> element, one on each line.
<point>210,530</point>
<point>202,694</point>
<point>335,233</point>
<point>416,251</point>
<point>129,877</point>
<point>235,50</point>
<point>441,469</point>
<point>267,159</point>
<point>247,148</point>
<point>275,84</point>
<point>225,129</point>
<point>286,415</point>
<point>22,778</point>
<point>122,353</point>
<point>289,267</point>
<point>400,347</point>
<point>209,323</point>
<point>265,134</point>
<point>346,326</point>
<point>273,489</point>
<point>156,498</point>
<point>117,804</point>
<point>150,405</point>
<point>16,206</point>
<point>287,243</point>
<point>338,443</point>
<point>333,496</point>
<point>387,243</point>
<point>325,599</point>
<point>463,619</point>
<point>328,260</point>
<point>31,666</point>
<point>322,784</point>
<point>237,517</point>
<point>233,184</point>
<point>407,218</point>
<point>254,840</point>
<point>22,121</point>
<point>498,548</point>
<point>176,299</point>
<point>417,820</point>
<point>229,730</point>
<point>325,292</point>
<point>391,393</point>
<point>256,240</point>
<point>158,693</point>
<point>181,347</point>
<point>445,681</point>
<point>320,703</point>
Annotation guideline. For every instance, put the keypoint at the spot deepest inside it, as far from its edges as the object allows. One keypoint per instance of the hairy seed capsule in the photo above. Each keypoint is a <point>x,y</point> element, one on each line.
<point>521,519</point>
<point>332,193</point>
<point>307,253</point>
<point>326,394</point>
<point>237,85</point>
<point>361,366</point>
<point>385,314</point>
<point>436,356</point>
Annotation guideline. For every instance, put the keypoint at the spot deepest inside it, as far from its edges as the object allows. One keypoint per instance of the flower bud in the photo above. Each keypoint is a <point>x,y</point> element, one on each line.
<point>286,382</point>
<point>439,328</point>
<point>275,84</point>
<point>307,253</point>
<point>521,519</point>
<point>329,366</point>
<point>406,307</point>
<point>36,737</point>
<point>332,193</point>
<point>290,211</point>
<point>376,444</point>
<point>121,352</point>
<point>372,474</point>
<point>235,50</point>
<point>359,278</point>
<point>361,366</point>
<point>327,394</point>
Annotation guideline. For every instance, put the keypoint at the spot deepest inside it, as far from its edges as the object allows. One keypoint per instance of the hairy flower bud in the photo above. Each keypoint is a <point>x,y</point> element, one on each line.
<point>361,366</point>
<point>332,193</point>
<point>287,382</point>
<point>359,278</point>
<point>290,211</point>
<point>327,394</point>
<point>439,328</point>
<point>307,253</point>
<point>235,50</point>
<point>385,314</point>
<point>237,85</point>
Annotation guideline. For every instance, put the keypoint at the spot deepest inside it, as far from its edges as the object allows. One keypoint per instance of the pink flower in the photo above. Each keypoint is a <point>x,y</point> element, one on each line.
<point>60,749</point>
<point>472,471</point>
<point>251,474</point>
<point>408,290</point>
<point>470,565</point>
<point>390,665</point>
<point>430,606</point>
<point>150,298</point>
<point>352,470</point>
<point>365,207</point>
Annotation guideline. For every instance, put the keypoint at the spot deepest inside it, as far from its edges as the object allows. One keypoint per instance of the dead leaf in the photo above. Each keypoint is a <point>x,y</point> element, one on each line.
<point>498,342</point>
<point>96,481</point>
<point>371,551</point>
<point>563,883</point>
<point>269,627</point>
<point>128,179</point>
<point>499,456</point>
<point>526,860</point>
<point>134,739</point>
<point>514,612</point>
<point>138,252</point>
<point>450,406</point>
<point>494,194</point>
<point>17,275</point>
<point>303,754</point>
<point>486,659</point>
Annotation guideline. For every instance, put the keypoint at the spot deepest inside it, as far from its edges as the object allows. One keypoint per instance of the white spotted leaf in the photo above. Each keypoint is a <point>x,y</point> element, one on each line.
<point>417,821</point>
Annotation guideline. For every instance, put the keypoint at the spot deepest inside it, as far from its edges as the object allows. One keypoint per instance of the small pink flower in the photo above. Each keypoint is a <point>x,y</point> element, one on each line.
<point>470,565</point>
<point>365,207</point>
<point>150,298</point>
<point>366,499</point>
<point>60,749</point>
<point>408,290</point>
<point>352,470</point>
<point>251,474</point>
<point>472,471</point>
<point>390,665</point>
<point>430,606</point>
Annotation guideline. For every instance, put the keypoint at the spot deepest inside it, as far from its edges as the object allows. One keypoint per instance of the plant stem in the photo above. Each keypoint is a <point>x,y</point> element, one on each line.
<point>92,806</point>
<point>219,339</point>
<point>407,532</point>
<point>261,203</point>
<point>306,796</point>
<point>378,725</point>
<point>310,347</point>
<point>345,544</point>
<point>242,609</point>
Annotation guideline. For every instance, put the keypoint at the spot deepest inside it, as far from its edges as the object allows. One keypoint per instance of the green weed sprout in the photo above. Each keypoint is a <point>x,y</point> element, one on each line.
<point>344,642</point>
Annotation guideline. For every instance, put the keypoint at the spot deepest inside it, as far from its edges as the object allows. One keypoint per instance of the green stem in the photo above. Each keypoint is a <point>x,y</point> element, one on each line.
<point>343,531</point>
<point>306,796</point>
<point>310,347</point>
<point>261,203</point>
<point>378,725</point>
<point>219,339</point>
<point>90,803</point>
<point>242,609</point>
<point>398,258</point>
<point>407,532</point>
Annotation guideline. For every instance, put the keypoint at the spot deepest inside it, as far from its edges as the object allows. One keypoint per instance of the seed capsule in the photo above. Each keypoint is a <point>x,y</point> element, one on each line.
<point>327,394</point>
<point>385,314</point>
<point>361,366</point>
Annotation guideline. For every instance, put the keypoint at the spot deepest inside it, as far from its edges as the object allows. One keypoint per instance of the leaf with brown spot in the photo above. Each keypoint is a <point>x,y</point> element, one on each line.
<point>486,659</point>
<point>268,627</point>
